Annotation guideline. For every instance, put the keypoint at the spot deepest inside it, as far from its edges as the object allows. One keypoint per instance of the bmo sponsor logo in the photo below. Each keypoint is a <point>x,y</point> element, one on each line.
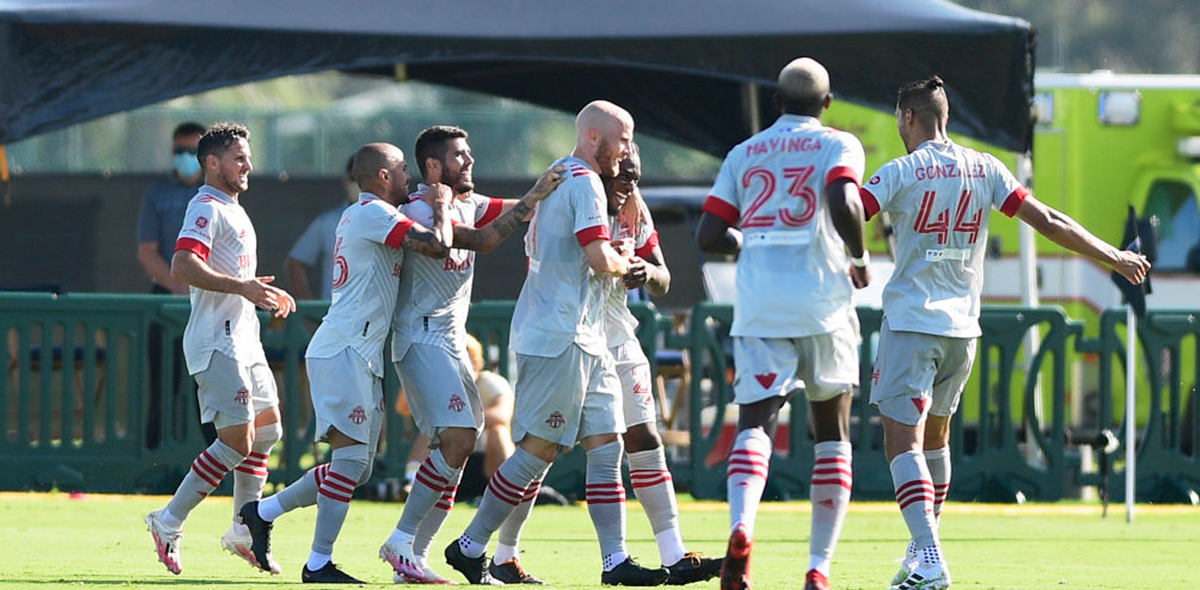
<point>452,265</point>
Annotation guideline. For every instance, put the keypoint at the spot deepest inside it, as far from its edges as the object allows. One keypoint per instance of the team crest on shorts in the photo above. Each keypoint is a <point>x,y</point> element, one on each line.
<point>456,403</point>
<point>556,419</point>
<point>242,396</point>
<point>358,416</point>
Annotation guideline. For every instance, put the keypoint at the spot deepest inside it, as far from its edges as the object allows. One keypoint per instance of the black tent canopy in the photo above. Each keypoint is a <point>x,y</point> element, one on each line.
<point>689,70</point>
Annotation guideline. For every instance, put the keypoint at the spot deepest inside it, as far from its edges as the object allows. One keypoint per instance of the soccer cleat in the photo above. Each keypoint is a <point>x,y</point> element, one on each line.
<point>630,573</point>
<point>815,580</point>
<point>404,563</point>
<point>166,541</point>
<point>735,571</point>
<point>473,568</point>
<point>260,538</point>
<point>930,576</point>
<point>693,568</point>
<point>237,540</point>
<point>906,567</point>
<point>511,572</point>
<point>329,574</point>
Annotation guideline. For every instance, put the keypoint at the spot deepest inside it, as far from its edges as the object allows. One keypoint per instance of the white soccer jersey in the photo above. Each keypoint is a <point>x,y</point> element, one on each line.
<point>562,300</point>
<point>793,271</point>
<point>619,324</point>
<point>217,229</point>
<point>939,198</point>
<point>435,294</point>
<point>366,259</point>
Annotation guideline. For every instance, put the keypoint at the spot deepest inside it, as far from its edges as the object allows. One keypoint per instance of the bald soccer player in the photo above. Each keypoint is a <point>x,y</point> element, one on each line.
<point>567,390</point>
<point>786,201</point>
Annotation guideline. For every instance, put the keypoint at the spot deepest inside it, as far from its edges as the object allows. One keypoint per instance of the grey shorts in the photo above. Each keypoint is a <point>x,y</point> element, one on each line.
<point>917,374</point>
<point>231,394</point>
<point>441,390</point>
<point>567,398</point>
<point>825,365</point>
<point>347,396</point>
<point>637,387</point>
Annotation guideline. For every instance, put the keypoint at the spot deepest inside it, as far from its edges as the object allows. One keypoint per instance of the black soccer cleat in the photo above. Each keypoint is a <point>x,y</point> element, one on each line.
<point>693,568</point>
<point>474,569</point>
<point>329,574</point>
<point>260,534</point>
<point>629,573</point>
<point>511,572</point>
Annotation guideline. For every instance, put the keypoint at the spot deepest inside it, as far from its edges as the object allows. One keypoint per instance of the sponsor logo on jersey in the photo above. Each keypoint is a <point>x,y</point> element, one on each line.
<point>242,396</point>
<point>201,221</point>
<point>875,377</point>
<point>358,416</point>
<point>875,180</point>
<point>456,403</point>
<point>556,420</point>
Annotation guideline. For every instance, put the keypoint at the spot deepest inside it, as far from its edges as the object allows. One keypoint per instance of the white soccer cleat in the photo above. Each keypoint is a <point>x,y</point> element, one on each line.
<point>166,541</point>
<point>404,563</point>
<point>237,541</point>
<point>907,564</point>
<point>431,577</point>
<point>926,576</point>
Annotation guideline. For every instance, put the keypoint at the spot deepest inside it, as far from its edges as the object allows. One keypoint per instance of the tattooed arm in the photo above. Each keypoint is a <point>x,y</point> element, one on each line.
<point>433,242</point>
<point>486,238</point>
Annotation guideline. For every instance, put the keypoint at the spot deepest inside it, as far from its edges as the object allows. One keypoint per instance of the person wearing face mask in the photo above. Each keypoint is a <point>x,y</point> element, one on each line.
<point>314,247</point>
<point>159,221</point>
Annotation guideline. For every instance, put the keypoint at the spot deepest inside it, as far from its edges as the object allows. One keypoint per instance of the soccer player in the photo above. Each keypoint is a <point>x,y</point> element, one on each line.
<point>939,197</point>
<point>630,224</point>
<point>792,190</point>
<point>216,254</point>
<point>429,344</point>
<point>567,389</point>
<point>345,357</point>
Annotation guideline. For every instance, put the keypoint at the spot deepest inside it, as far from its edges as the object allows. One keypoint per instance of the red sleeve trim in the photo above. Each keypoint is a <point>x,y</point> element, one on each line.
<point>494,209</point>
<point>194,246</point>
<point>591,234</point>
<point>648,247</point>
<point>396,237</point>
<point>842,172</point>
<point>1014,200</point>
<point>721,209</point>
<point>870,203</point>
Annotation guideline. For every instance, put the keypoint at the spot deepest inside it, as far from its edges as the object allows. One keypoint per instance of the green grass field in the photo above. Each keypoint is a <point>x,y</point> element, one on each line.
<point>52,541</point>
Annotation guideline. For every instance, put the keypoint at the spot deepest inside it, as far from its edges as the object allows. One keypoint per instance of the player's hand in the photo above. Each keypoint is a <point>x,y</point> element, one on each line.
<point>265,296</point>
<point>1132,266</point>
<point>547,182</point>
<point>639,273</point>
<point>860,276</point>
<point>438,195</point>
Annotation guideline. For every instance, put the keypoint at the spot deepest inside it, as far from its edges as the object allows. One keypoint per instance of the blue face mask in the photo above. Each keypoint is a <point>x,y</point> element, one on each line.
<point>186,165</point>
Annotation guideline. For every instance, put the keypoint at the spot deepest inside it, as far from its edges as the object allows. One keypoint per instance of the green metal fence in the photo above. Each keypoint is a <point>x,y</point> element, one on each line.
<point>78,409</point>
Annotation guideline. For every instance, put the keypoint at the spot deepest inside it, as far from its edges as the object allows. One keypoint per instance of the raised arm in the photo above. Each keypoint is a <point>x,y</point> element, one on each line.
<point>1067,232</point>
<point>486,238</point>
<point>188,267</point>
<point>433,242</point>
<point>846,211</point>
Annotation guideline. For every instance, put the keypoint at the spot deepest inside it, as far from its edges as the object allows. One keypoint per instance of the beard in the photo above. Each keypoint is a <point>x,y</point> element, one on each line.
<point>457,181</point>
<point>608,158</point>
<point>234,180</point>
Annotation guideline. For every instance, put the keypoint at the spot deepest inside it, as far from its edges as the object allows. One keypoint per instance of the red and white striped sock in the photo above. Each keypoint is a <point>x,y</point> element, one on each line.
<point>509,535</point>
<point>746,476</point>
<point>251,475</point>
<point>938,461</point>
<point>914,494</point>
<point>606,501</point>
<point>346,467</point>
<point>832,478</point>
<point>655,491</point>
<point>208,469</point>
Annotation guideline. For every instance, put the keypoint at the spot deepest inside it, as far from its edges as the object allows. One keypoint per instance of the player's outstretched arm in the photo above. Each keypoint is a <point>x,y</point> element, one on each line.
<point>605,260</point>
<point>486,238</point>
<point>434,242</point>
<point>1066,232</point>
<point>186,266</point>
<point>846,211</point>
<point>715,236</point>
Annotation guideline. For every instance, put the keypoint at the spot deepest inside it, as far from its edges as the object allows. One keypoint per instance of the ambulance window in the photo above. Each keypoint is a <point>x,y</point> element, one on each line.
<point>1173,204</point>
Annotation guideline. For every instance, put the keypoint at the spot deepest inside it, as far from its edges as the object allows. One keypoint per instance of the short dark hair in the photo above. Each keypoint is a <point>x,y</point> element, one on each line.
<point>350,168</point>
<point>927,100</point>
<point>187,128</point>
<point>219,138</point>
<point>431,143</point>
